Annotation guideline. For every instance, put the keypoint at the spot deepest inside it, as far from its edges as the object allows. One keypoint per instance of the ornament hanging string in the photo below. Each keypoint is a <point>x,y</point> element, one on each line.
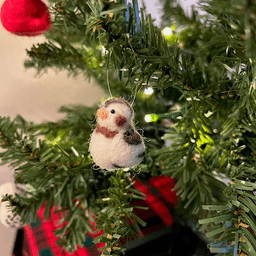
<point>135,93</point>
<point>109,90</point>
<point>138,27</point>
<point>136,89</point>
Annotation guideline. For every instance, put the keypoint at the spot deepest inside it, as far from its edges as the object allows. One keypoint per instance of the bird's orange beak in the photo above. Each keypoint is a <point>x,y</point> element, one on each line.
<point>102,113</point>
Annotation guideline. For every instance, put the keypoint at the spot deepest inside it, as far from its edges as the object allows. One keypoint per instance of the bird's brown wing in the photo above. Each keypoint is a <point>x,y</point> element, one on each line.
<point>132,137</point>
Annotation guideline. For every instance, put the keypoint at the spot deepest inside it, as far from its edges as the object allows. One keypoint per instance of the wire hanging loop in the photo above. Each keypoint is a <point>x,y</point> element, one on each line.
<point>137,28</point>
<point>109,90</point>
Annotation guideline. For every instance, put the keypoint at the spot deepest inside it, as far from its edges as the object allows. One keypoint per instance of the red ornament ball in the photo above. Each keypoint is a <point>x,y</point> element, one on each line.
<point>25,17</point>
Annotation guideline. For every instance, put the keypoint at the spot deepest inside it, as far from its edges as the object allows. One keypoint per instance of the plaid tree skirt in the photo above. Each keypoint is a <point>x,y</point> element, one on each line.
<point>39,239</point>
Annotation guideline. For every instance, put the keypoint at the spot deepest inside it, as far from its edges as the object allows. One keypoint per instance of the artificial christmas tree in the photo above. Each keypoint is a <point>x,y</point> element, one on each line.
<point>199,122</point>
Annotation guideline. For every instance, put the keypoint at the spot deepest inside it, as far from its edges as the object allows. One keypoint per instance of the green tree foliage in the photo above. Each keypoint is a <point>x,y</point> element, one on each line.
<point>204,81</point>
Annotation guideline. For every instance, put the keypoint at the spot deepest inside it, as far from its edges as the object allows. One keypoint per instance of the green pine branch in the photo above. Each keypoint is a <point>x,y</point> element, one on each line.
<point>62,180</point>
<point>73,130</point>
<point>67,182</point>
<point>234,223</point>
<point>117,219</point>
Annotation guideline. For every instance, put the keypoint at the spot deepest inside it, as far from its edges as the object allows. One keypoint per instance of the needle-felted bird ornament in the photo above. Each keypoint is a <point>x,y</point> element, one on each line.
<point>115,143</point>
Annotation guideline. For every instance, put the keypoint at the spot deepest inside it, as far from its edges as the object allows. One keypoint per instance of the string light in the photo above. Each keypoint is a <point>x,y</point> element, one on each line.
<point>148,91</point>
<point>103,49</point>
<point>151,118</point>
<point>147,118</point>
<point>167,31</point>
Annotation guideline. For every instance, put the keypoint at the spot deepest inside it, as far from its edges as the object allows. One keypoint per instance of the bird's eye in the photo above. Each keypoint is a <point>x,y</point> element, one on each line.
<point>112,111</point>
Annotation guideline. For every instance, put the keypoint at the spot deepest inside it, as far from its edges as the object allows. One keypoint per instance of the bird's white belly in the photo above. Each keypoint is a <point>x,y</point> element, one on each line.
<point>107,152</point>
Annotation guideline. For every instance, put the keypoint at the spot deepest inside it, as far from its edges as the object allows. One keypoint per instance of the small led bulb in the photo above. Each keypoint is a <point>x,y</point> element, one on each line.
<point>148,91</point>
<point>167,31</point>
<point>151,118</point>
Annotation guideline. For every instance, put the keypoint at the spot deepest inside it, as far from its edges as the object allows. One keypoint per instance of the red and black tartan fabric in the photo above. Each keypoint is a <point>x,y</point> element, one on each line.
<point>39,239</point>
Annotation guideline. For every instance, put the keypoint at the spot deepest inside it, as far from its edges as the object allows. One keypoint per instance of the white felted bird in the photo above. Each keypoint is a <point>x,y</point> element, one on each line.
<point>115,143</point>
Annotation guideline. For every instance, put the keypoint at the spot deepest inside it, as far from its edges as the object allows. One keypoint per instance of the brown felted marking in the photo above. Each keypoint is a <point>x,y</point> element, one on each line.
<point>118,166</point>
<point>106,132</point>
<point>131,137</point>
<point>141,155</point>
<point>120,120</point>
<point>117,100</point>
